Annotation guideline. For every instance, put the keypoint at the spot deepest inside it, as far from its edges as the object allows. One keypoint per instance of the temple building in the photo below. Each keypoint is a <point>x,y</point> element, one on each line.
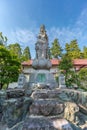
<point>28,69</point>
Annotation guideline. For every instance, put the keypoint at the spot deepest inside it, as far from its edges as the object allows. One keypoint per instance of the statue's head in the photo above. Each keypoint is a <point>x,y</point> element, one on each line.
<point>42,28</point>
<point>42,34</point>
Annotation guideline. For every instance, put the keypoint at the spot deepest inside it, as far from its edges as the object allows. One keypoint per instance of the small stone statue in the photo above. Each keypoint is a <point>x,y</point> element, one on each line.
<point>21,81</point>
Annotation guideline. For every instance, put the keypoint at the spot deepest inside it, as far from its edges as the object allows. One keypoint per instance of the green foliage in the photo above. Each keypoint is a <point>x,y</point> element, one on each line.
<point>56,50</point>
<point>9,67</point>
<point>3,39</point>
<point>66,67</point>
<point>26,54</point>
<point>72,79</point>
<point>73,50</point>
<point>84,52</point>
<point>10,61</point>
<point>15,50</point>
<point>57,79</point>
<point>66,63</point>
<point>83,74</point>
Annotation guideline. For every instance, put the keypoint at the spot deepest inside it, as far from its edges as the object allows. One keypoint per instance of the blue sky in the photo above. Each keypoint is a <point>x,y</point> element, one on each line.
<point>64,19</point>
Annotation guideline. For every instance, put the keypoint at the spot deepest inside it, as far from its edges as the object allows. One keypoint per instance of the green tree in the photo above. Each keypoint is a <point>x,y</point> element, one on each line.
<point>66,67</point>
<point>73,50</point>
<point>56,50</point>
<point>9,67</point>
<point>82,74</point>
<point>3,39</point>
<point>66,64</point>
<point>15,50</point>
<point>26,54</point>
<point>84,52</point>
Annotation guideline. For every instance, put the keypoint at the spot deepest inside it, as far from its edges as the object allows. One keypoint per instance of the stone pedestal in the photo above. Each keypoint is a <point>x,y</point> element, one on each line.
<point>42,79</point>
<point>41,63</point>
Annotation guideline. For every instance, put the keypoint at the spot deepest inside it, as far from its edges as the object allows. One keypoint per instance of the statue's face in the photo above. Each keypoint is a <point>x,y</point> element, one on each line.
<point>42,29</point>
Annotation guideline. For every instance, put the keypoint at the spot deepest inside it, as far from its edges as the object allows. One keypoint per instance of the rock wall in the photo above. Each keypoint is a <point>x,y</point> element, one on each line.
<point>14,105</point>
<point>22,109</point>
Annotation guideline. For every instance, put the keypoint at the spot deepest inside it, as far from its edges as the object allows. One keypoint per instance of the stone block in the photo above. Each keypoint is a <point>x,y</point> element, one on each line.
<point>46,107</point>
<point>43,94</point>
<point>15,93</point>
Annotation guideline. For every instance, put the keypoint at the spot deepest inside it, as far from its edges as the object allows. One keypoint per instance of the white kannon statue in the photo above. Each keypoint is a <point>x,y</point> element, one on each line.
<point>42,44</point>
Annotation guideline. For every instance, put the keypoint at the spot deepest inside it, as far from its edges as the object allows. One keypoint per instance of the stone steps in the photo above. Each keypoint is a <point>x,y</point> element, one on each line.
<point>47,117</point>
<point>43,93</point>
<point>43,123</point>
<point>47,111</point>
<point>50,94</point>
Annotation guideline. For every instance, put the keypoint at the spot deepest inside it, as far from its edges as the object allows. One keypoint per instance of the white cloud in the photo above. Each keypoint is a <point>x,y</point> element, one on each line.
<point>64,35</point>
<point>82,19</point>
<point>77,31</point>
<point>24,36</point>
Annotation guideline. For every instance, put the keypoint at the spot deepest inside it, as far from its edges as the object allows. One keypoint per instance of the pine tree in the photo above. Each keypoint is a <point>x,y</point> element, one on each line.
<point>73,50</point>
<point>26,54</point>
<point>56,50</point>
<point>15,50</point>
<point>3,39</point>
<point>84,52</point>
<point>66,67</point>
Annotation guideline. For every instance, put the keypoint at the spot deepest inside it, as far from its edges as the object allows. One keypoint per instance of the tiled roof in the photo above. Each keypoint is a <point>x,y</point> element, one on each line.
<point>56,62</point>
<point>80,62</point>
<point>27,63</point>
